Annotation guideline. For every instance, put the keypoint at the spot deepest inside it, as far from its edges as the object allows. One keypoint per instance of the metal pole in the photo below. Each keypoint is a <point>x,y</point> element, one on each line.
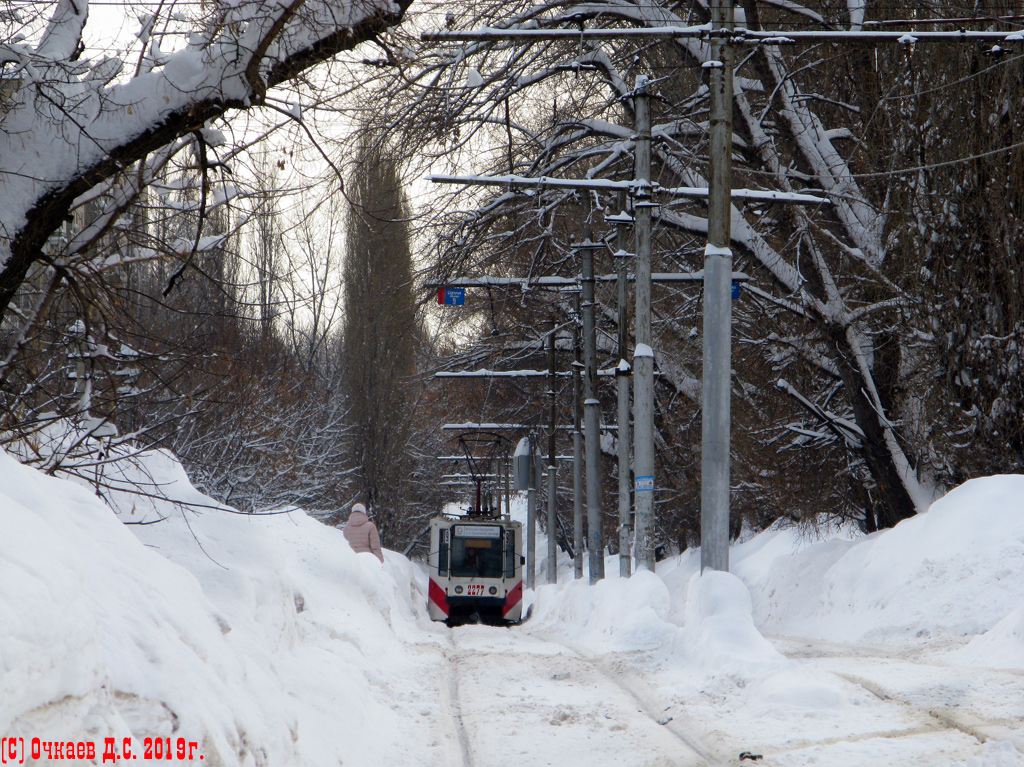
<point>552,461</point>
<point>531,520</point>
<point>591,406</point>
<point>714,495</point>
<point>643,356</point>
<point>622,382</point>
<point>577,446</point>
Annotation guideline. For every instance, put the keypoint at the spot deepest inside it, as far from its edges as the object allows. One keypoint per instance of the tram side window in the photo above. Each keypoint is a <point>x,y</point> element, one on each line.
<point>442,554</point>
<point>510,553</point>
<point>476,558</point>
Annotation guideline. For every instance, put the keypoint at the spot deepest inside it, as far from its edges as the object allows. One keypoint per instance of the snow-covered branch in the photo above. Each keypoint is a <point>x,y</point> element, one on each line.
<point>67,130</point>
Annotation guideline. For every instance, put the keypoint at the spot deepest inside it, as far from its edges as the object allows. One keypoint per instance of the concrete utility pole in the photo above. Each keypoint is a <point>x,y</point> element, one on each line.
<point>591,405</point>
<point>715,415</point>
<point>643,356</point>
<point>577,446</point>
<point>552,460</point>
<point>622,381</point>
<point>531,517</point>
<point>507,461</point>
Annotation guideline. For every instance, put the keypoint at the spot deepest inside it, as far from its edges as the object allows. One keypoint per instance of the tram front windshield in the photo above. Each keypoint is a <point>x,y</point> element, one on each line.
<point>476,558</point>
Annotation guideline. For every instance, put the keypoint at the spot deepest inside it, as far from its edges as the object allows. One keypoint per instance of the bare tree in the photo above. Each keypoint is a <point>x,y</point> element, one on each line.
<point>314,281</point>
<point>267,242</point>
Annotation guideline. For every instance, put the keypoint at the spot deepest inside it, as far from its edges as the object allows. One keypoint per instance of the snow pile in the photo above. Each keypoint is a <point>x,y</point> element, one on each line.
<point>720,653</point>
<point>719,636</point>
<point>714,651</point>
<point>614,615</point>
<point>266,639</point>
<point>700,624</point>
<point>1002,646</point>
<point>953,571</point>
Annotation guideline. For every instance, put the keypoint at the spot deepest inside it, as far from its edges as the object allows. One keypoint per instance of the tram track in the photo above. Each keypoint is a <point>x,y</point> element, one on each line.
<point>643,697</point>
<point>928,698</point>
<point>945,717</point>
<point>453,704</point>
<point>518,698</point>
<point>942,731</point>
<point>934,724</point>
<point>932,705</point>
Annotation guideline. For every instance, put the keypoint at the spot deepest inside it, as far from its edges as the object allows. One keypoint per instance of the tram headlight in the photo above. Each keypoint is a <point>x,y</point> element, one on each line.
<point>492,590</point>
<point>458,589</point>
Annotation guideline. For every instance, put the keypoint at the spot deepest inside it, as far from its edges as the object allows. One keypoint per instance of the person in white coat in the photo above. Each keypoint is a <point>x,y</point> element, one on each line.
<point>361,533</point>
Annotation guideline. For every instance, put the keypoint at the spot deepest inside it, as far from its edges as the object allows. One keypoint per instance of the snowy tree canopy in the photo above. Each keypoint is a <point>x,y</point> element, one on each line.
<point>69,124</point>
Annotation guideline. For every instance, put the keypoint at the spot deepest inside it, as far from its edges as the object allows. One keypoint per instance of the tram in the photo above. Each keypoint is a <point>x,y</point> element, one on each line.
<point>475,562</point>
<point>476,568</point>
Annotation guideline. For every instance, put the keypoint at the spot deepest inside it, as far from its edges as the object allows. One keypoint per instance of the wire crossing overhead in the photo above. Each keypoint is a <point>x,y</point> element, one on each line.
<point>737,36</point>
<point>485,373</point>
<point>571,282</point>
<point>609,185</point>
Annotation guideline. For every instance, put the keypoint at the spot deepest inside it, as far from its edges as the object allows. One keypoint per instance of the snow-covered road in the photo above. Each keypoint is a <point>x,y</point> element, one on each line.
<point>939,704</point>
<point>520,699</point>
<point>511,696</point>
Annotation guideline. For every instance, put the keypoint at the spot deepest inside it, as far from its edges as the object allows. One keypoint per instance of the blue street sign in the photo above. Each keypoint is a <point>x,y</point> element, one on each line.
<point>735,290</point>
<point>451,296</point>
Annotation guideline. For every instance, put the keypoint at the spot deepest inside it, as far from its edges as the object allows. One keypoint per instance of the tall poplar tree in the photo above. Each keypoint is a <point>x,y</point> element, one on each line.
<point>379,337</point>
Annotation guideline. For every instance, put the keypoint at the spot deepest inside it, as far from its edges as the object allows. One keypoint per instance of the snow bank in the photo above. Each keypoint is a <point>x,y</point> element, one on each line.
<point>265,639</point>
<point>949,573</point>
<point>953,571</point>
<point>720,654</point>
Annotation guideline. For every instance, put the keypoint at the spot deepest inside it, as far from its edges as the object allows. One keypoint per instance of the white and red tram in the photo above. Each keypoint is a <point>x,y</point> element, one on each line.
<point>475,567</point>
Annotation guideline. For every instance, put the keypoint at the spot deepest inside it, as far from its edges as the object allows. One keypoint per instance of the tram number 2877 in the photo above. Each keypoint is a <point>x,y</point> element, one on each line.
<point>475,567</point>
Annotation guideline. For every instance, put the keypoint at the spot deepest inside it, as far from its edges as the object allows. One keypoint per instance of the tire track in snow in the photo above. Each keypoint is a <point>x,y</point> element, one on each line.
<point>896,662</point>
<point>453,705</point>
<point>636,685</point>
<point>945,717</point>
<point>644,697</point>
<point>942,730</point>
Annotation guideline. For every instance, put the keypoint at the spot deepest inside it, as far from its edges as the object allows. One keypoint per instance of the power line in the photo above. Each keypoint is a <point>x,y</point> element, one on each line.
<point>945,164</point>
